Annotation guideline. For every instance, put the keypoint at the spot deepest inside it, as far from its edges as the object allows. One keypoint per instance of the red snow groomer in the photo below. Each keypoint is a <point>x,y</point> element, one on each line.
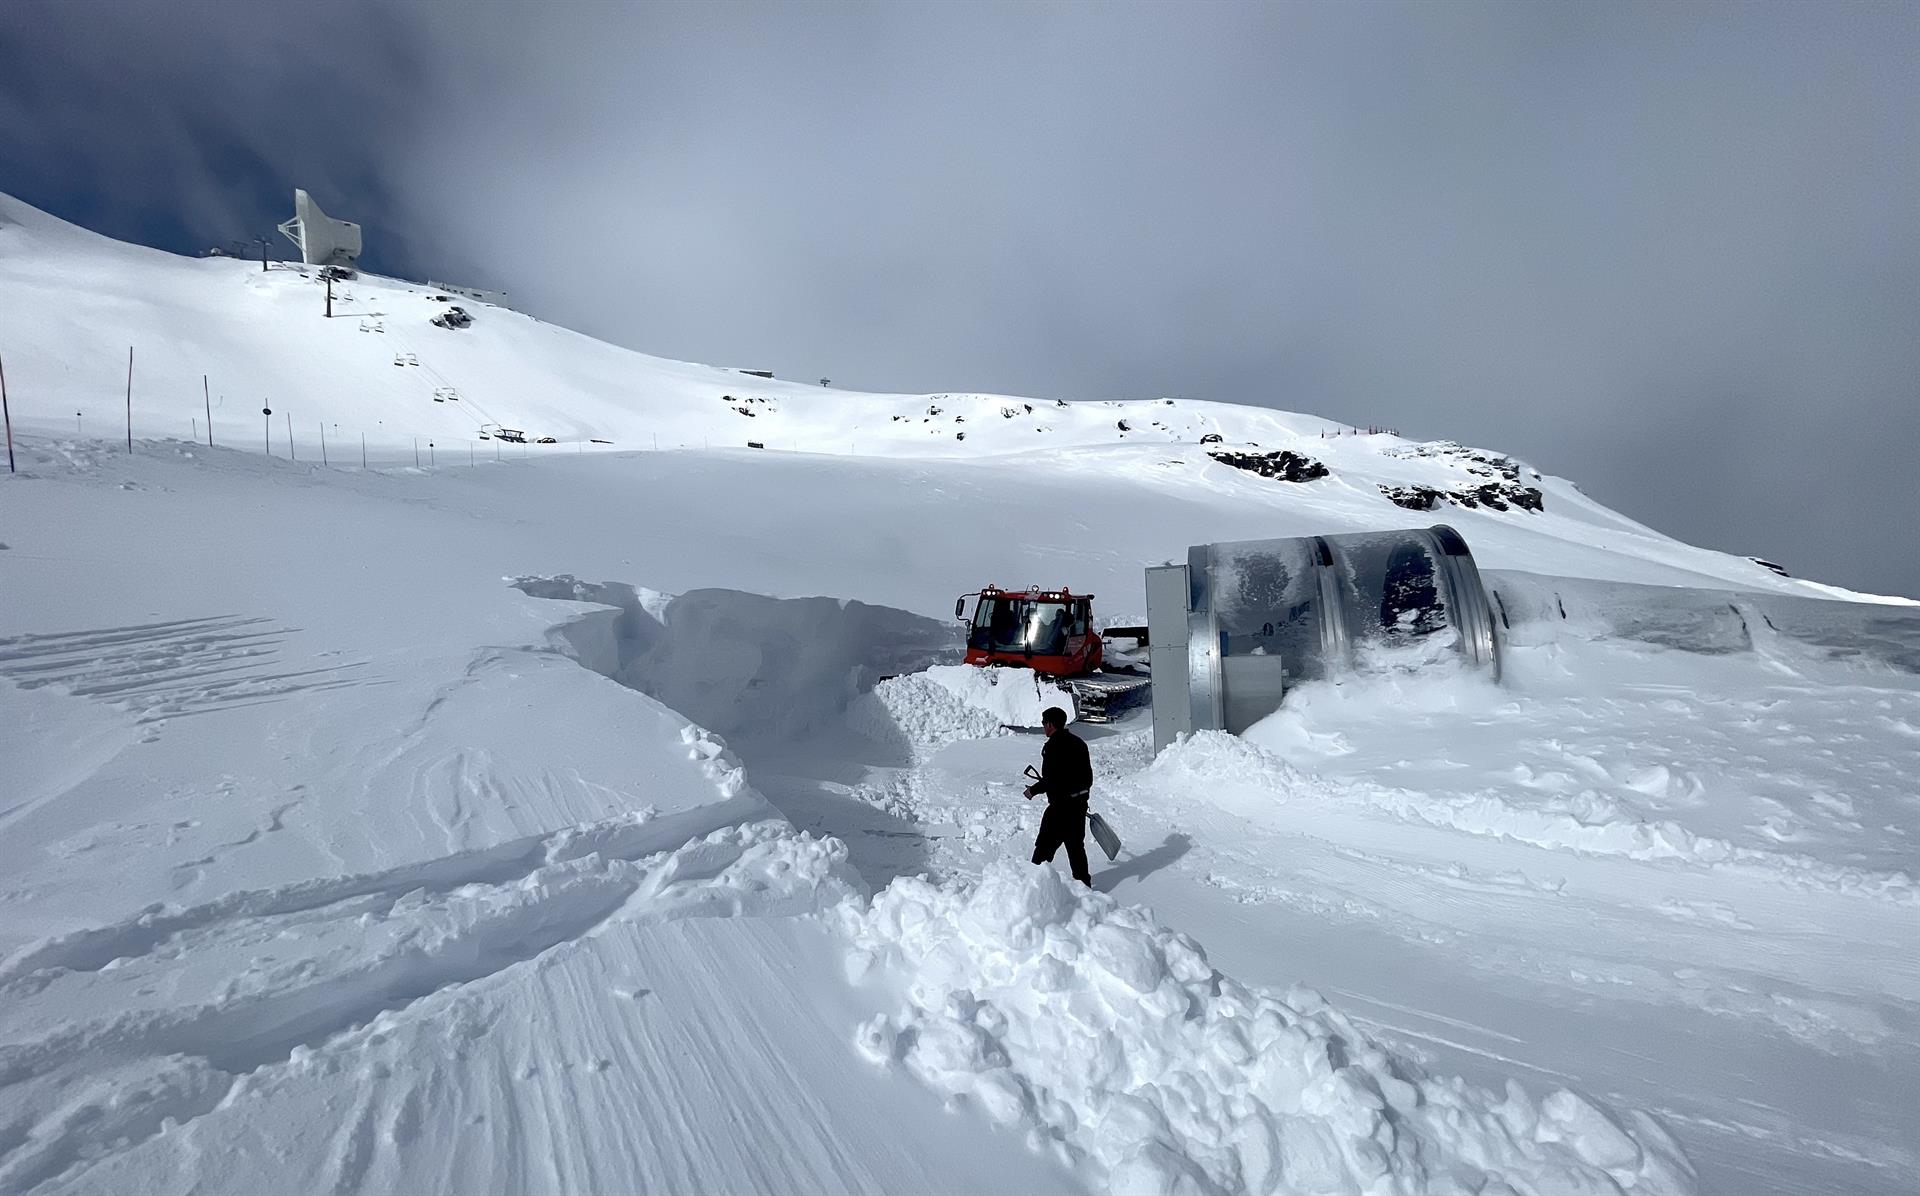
<point>1051,632</point>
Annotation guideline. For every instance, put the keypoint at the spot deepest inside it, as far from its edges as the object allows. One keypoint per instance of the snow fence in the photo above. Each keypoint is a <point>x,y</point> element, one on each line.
<point>1115,1046</point>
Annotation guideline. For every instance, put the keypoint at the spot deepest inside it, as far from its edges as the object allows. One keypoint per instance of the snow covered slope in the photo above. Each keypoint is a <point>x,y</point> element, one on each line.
<point>543,824</point>
<point>72,303</point>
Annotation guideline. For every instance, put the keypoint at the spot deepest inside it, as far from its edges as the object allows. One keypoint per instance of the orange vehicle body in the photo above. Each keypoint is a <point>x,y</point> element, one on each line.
<point>1048,631</point>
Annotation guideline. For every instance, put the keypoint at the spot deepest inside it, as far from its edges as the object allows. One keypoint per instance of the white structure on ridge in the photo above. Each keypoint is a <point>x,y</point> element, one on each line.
<point>323,241</point>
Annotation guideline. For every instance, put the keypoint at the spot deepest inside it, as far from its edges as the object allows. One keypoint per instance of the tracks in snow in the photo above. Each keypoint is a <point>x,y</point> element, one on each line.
<point>167,669</point>
<point>156,1020</point>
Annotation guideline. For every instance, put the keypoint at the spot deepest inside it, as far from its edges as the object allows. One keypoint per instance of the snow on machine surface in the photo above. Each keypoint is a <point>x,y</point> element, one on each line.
<point>1241,623</point>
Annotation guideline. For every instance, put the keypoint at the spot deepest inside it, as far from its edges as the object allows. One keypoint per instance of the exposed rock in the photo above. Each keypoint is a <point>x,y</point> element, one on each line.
<point>1285,465</point>
<point>1413,498</point>
<point>1498,496</point>
<point>1496,483</point>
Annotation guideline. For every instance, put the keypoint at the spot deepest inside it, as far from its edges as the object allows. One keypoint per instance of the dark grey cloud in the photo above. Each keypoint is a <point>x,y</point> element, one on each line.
<point>1667,250</point>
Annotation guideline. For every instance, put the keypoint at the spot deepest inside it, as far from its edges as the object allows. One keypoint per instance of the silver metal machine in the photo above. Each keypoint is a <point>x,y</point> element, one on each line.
<point>1234,628</point>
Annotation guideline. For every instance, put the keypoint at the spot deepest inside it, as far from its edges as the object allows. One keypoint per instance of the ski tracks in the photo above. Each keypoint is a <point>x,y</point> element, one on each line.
<point>170,669</point>
<point>119,1032</point>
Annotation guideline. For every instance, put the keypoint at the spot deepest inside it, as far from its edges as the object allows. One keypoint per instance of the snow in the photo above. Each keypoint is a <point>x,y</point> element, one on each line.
<point>1110,1042</point>
<point>512,826</point>
<point>1015,696</point>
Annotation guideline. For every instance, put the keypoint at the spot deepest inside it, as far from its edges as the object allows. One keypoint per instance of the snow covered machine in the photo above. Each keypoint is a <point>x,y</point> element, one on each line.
<point>1051,632</point>
<point>1237,625</point>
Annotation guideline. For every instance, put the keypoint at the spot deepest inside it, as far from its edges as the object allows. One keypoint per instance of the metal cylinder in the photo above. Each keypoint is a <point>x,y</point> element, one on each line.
<point>1263,616</point>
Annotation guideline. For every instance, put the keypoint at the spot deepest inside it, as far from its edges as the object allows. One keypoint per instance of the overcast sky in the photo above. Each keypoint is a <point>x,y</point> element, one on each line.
<point>1671,251</point>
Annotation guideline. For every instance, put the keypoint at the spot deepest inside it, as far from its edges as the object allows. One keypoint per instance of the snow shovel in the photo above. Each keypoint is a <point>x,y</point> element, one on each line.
<point>1102,833</point>
<point>1104,836</point>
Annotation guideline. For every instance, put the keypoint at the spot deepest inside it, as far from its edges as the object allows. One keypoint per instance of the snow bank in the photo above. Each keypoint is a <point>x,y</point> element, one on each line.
<point>946,703</point>
<point>1115,1046</point>
<point>1015,696</point>
<point>743,665</point>
<point>921,713</point>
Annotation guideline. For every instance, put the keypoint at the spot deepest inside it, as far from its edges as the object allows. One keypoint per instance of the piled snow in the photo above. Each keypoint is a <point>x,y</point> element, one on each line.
<point>947,703</point>
<point>921,713</point>
<point>1115,1046</point>
<point>1016,696</point>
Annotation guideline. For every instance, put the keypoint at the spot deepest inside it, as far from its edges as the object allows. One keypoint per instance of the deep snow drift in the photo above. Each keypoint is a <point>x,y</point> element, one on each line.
<point>619,821</point>
<point>1111,1042</point>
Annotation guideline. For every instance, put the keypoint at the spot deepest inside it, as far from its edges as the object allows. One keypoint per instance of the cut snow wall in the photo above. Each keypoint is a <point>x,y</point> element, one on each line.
<point>745,666</point>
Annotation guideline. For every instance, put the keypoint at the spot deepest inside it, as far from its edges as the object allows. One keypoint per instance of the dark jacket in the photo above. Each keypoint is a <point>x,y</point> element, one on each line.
<point>1066,772</point>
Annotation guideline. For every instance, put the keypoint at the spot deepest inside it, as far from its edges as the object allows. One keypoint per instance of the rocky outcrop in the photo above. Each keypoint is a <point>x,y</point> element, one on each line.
<point>1494,496</point>
<point>1284,465</point>
<point>1496,482</point>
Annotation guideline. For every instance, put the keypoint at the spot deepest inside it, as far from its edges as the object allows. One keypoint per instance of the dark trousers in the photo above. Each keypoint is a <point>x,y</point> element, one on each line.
<point>1064,825</point>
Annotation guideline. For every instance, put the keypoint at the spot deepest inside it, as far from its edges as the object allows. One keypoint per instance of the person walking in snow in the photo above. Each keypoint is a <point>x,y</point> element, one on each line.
<point>1066,777</point>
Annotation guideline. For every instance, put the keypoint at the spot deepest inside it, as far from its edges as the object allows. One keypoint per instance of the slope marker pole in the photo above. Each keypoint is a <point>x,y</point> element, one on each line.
<point>129,398</point>
<point>8,413</point>
<point>208,399</point>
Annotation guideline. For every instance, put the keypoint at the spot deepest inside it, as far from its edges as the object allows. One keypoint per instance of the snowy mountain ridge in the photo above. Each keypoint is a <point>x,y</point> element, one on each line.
<point>380,379</point>
<point>262,333</point>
